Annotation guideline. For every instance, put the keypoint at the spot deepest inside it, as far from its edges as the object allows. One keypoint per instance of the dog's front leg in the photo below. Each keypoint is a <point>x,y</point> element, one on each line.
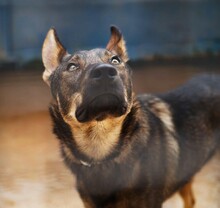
<point>186,193</point>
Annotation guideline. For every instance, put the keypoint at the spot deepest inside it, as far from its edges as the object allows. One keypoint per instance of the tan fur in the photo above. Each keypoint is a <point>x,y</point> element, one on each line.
<point>187,195</point>
<point>76,100</point>
<point>97,139</point>
<point>117,44</point>
<point>162,111</point>
<point>52,51</point>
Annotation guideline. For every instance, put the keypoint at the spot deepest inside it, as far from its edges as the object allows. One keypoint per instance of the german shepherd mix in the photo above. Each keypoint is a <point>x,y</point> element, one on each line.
<point>127,151</point>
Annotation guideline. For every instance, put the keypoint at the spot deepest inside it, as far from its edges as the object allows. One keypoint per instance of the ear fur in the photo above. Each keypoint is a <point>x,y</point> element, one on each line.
<point>52,53</point>
<point>117,43</point>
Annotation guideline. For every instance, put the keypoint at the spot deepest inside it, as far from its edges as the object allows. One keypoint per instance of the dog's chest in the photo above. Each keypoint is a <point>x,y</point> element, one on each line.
<point>107,178</point>
<point>97,141</point>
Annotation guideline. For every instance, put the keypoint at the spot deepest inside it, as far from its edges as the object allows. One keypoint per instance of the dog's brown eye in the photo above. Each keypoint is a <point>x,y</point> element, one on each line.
<point>115,60</point>
<point>72,67</point>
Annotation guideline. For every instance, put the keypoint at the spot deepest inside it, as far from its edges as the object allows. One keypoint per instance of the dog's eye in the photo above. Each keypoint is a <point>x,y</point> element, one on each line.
<point>72,67</point>
<point>115,60</point>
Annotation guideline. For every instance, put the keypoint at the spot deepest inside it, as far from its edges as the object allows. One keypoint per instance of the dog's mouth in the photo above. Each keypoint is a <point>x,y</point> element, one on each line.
<point>100,107</point>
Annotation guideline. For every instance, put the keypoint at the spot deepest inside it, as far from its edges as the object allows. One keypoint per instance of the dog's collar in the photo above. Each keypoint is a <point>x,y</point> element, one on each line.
<point>84,163</point>
<point>70,157</point>
<point>90,164</point>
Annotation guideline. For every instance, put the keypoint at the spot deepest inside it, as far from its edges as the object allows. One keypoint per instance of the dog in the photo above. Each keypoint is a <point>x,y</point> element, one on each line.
<point>127,151</point>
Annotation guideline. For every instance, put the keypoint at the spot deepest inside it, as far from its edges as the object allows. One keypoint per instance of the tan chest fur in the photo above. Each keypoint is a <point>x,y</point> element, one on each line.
<point>97,139</point>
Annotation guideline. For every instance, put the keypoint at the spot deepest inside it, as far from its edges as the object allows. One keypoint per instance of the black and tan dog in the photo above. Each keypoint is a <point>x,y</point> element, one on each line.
<point>127,151</point>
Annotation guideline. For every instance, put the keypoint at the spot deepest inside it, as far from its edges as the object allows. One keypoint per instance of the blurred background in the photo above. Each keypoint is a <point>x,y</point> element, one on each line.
<point>168,42</point>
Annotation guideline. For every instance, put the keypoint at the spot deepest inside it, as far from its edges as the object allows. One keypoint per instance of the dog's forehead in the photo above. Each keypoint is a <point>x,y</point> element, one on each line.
<point>91,56</point>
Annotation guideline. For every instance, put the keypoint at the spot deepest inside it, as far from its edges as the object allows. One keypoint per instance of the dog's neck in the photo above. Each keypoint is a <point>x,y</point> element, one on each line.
<point>97,139</point>
<point>94,142</point>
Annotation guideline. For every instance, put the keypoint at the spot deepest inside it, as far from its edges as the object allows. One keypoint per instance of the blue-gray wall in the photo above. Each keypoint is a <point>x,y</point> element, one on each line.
<point>150,27</point>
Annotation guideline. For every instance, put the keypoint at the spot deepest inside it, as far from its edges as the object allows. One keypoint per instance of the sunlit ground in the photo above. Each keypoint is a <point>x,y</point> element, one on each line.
<point>32,173</point>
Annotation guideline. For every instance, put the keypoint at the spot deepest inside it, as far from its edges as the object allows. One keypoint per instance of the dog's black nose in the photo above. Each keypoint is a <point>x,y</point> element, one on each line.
<point>104,72</point>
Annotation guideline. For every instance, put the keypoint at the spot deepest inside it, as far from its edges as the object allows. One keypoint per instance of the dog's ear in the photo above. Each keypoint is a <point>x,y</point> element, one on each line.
<point>52,54</point>
<point>117,43</point>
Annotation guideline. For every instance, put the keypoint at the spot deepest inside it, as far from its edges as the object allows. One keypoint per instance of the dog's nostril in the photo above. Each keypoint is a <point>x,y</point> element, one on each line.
<point>96,73</point>
<point>103,72</point>
<point>112,72</point>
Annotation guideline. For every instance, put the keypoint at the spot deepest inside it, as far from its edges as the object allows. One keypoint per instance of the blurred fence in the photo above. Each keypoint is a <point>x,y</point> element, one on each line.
<point>150,27</point>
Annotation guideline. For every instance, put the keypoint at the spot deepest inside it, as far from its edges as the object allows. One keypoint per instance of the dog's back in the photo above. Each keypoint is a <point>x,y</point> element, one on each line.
<point>197,121</point>
<point>195,113</point>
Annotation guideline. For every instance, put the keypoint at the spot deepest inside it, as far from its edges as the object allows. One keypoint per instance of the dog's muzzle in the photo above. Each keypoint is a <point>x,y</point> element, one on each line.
<point>103,94</point>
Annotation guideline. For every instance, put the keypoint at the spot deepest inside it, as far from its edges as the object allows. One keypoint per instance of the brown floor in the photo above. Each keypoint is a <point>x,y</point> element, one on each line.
<point>32,173</point>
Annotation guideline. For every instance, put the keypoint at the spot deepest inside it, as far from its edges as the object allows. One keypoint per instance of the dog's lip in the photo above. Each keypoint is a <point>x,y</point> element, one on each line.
<point>82,111</point>
<point>97,97</point>
<point>103,94</point>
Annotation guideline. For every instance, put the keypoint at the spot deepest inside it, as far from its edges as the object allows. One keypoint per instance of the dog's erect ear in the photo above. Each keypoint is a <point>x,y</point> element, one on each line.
<point>52,53</point>
<point>117,43</point>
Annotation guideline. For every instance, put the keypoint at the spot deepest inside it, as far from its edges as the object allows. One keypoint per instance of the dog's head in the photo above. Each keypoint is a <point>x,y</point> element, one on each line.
<point>88,85</point>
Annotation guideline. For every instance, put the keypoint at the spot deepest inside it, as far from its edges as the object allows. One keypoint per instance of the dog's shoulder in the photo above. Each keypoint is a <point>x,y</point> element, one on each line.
<point>158,107</point>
